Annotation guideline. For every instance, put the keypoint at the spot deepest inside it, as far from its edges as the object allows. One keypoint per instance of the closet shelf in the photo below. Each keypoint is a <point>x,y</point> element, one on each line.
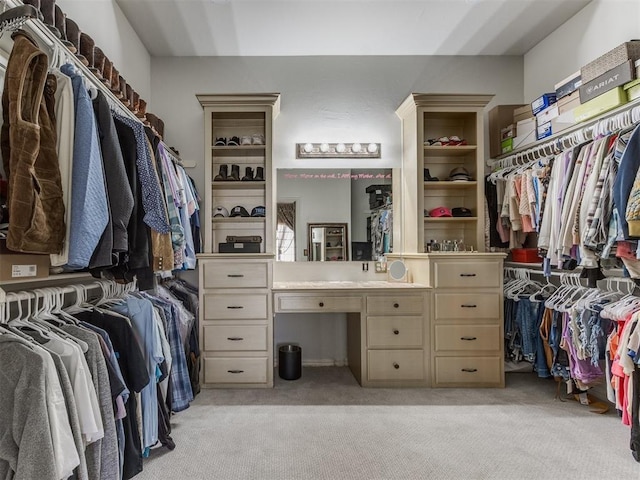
<point>452,185</point>
<point>449,219</point>
<point>452,151</point>
<point>237,185</point>
<point>238,219</point>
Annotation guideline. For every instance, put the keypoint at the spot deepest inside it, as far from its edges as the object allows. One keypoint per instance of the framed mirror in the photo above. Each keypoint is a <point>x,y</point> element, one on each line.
<point>359,199</point>
<point>328,242</point>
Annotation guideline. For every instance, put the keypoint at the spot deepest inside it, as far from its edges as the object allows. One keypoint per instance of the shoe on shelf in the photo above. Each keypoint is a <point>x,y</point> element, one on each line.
<point>61,25</point>
<point>428,177</point>
<point>220,142</point>
<point>222,176</point>
<point>257,139</point>
<point>235,173</point>
<point>259,176</point>
<point>456,141</point>
<point>245,140</point>
<point>235,141</point>
<point>248,174</point>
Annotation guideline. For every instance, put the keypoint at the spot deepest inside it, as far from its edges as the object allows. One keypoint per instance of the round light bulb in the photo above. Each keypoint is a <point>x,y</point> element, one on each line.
<point>340,148</point>
<point>308,147</point>
<point>372,148</point>
<point>356,147</point>
<point>324,147</point>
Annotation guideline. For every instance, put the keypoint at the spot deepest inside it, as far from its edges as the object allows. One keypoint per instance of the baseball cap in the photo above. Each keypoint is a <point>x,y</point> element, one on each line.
<point>239,211</point>
<point>461,212</point>
<point>459,174</point>
<point>440,212</point>
<point>257,211</point>
<point>220,211</point>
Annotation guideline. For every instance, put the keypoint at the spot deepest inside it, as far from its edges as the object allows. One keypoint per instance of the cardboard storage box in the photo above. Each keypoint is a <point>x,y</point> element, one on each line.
<point>526,133</point>
<point>602,103</point>
<point>613,58</point>
<point>542,102</point>
<point>21,266</point>
<point>500,117</point>
<point>239,247</point>
<point>547,114</point>
<point>632,89</point>
<point>568,103</point>
<point>623,73</point>
<point>522,113</point>
<point>568,85</point>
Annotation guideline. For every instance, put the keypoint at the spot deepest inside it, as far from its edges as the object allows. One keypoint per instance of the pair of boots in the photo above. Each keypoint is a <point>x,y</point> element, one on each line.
<point>224,174</point>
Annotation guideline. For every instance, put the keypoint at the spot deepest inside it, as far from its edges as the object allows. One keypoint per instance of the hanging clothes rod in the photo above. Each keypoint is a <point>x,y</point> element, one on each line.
<point>618,119</point>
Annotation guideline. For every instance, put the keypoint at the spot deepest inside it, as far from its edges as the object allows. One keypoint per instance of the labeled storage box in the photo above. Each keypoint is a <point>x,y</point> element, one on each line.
<point>21,266</point>
<point>543,130</point>
<point>547,114</point>
<point>627,51</point>
<point>568,85</point>
<point>500,117</point>
<point>623,73</point>
<point>522,113</point>
<point>568,103</point>
<point>526,133</point>
<point>506,145</point>
<point>632,89</point>
<point>603,103</point>
<point>239,247</point>
<point>542,102</point>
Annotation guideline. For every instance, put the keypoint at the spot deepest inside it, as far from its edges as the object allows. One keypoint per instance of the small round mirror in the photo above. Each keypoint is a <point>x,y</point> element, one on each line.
<point>397,270</point>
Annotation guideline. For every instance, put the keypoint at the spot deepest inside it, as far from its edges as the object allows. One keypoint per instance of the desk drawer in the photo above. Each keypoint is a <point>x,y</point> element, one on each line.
<point>394,304</point>
<point>467,305</point>
<point>395,364</point>
<point>394,331</point>
<point>235,275</point>
<point>467,337</point>
<point>468,370</point>
<point>231,338</point>
<point>235,306</point>
<point>450,274</point>
<point>318,303</point>
<point>235,370</point>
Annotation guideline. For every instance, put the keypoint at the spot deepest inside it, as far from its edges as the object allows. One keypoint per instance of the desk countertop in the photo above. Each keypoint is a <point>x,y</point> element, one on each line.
<point>345,285</point>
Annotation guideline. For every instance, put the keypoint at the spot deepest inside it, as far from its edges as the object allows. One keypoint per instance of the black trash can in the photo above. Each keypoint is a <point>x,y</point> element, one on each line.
<point>290,362</point>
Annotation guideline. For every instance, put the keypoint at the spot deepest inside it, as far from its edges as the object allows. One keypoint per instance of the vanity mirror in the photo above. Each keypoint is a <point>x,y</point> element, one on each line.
<point>357,202</point>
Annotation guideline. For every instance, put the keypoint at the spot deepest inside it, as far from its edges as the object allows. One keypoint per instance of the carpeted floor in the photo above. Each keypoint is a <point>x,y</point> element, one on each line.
<point>325,426</point>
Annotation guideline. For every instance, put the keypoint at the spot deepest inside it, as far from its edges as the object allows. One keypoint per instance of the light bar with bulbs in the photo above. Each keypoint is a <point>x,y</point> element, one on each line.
<point>337,150</point>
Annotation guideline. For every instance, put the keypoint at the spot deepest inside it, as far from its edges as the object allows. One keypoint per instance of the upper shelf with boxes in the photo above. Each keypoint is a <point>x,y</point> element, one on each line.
<point>602,85</point>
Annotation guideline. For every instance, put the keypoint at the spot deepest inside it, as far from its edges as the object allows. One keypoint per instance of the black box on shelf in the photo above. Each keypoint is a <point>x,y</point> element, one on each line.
<point>239,247</point>
<point>379,195</point>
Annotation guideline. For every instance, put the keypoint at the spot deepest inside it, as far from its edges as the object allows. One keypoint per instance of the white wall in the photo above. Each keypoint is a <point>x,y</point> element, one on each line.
<point>104,21</point>
<point>596,29</point>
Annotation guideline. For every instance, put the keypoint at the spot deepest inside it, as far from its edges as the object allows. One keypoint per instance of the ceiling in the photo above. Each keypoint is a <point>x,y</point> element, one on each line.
<point>344,27</point>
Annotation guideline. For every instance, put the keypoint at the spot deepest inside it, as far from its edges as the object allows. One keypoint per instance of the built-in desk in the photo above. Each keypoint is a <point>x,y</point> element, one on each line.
<point>387,325</point>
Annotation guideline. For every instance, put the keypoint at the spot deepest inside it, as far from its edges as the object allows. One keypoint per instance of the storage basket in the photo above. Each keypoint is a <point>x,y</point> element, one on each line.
<point>627,51</point>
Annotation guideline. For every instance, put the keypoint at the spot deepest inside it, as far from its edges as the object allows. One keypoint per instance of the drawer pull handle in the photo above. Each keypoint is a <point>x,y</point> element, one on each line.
<point>235,371</point>
<point>467,274</point>
<point>469,339</point>
<point>321,304</point>
<point>235,339</point>
<point>396,331</point>
<point>470,305</point>
<point>396,305</point>
<point>235,275</point>
<point>469,370</point>
<point>235,307</point>
<point>396,366</point>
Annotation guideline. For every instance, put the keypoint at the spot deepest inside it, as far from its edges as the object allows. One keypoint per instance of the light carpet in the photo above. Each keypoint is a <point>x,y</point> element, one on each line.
<point>325,426</point>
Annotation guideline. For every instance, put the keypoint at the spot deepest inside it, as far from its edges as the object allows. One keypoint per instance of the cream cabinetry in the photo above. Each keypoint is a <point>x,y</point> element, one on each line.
<point>236,322</point>
<point>387,330</point>
<point>466,317</point>
<point>428,121</point>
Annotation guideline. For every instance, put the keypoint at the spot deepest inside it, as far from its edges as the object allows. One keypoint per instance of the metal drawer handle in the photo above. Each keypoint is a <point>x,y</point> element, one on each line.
<point>321,304</point>
<point>469,370</point>
<point>396,305</point>
<point>235,307</point>
<point>396,366</point>
<point>396,331</point>
<point>470,305</point>
<point>235,339</point>
<point>235,275</point>
<point>467,274</point>
<point>470,339</point>
<point>235,371</point>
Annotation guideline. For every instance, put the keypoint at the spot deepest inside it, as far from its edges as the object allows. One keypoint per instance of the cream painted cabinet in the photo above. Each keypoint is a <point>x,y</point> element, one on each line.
<point>442,170</point>
<point>236,322</point>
